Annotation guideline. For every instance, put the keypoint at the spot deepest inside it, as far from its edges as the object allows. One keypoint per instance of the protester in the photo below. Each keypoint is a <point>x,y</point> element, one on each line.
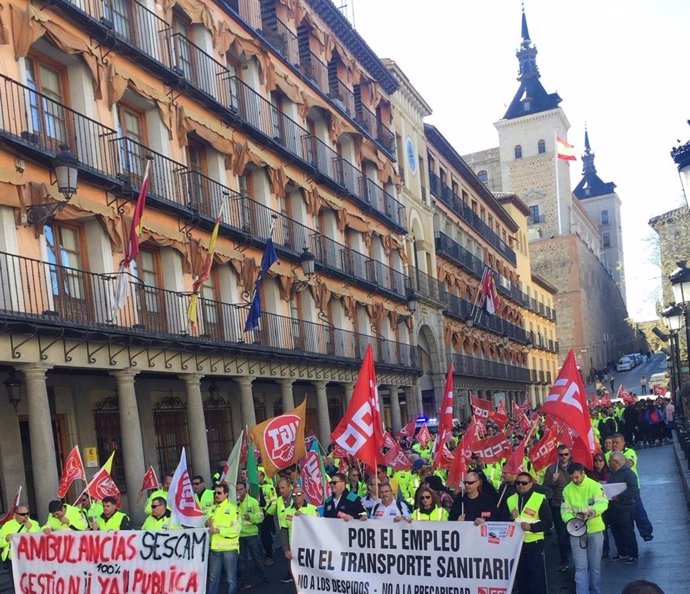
<point>203,496</point>
<point>531,510</point>
<point>224,527</point>
<point>427,507</point>
<point>280,509</point>
<point>20,523</point>
<point>621,510</point>
<point>62,516</point>
<point>267,529</point>
<point>600,474</point>
<point>251,515</point>
<point>556,478</point>
<point>343,503</point>
<point>472,504</point>
<point>159,518</point>
<point>112,518</point>
<point>90,508</point>
<point>372,496</point>
<point>162,491</point>
<point>584,498</point>
<point>389,507</point>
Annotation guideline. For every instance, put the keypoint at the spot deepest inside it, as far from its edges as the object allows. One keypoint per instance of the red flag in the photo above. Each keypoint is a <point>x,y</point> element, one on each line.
<point>516,461</point>
<point>312,478</point>
<point>659,390</point>
<point>360,431</point>
<point>424,437</point>
<point>521,418</point>
<point>544,452</point>
<point>524,407</point>
<point>132,246</point>
<point>567,402</point>
<point>408,430</point>
<point>72,470</point>
<point>343,466</point>
<point>10,512</point>
<point>102,485</point>
<point>462,453</point>
<point>625,395</point>
<point>150,480</point>
<point>492,449</point>
<point>393,455</point>
<point>445,426</point>
<point>339,452</point>
<point>500,418</point>
<point>596,401</point>
<point>488,288</point>
<point>481,408</point>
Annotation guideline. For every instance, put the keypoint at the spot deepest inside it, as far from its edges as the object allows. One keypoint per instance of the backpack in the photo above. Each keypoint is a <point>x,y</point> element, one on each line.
<point>397,502</point>
<point>654,417</point>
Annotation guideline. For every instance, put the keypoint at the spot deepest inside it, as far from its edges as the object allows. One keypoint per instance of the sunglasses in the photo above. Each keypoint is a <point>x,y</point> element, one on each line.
<point>426,497</point>
<point>563,455</point>
<point>523,483</point>
<point>22,513</point>
<point>155,506</point>
<point>196,484</point>
<point>335,482</point>
<point>468,482</point>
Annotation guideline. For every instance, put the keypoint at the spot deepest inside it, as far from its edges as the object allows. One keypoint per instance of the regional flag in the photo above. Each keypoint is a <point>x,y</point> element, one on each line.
<point>204,274</point>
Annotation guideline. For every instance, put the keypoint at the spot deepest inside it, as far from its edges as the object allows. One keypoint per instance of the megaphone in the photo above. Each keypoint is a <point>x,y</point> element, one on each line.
<point>576,527</point>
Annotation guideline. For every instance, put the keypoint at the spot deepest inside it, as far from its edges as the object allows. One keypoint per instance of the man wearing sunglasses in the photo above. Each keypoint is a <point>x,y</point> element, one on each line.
<point>224,527</point>
<point>204,496</point>
<point>20,523</point>
<point>531,510</point>
<point>342,503</point>
<point>556,478</point>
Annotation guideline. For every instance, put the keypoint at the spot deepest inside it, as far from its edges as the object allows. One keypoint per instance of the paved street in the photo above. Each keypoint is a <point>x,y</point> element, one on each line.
<point>630,380</point>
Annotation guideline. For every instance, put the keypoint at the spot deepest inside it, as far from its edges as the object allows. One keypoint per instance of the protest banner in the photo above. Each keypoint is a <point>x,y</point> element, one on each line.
<point>387,557</point>
<point>132,562</point>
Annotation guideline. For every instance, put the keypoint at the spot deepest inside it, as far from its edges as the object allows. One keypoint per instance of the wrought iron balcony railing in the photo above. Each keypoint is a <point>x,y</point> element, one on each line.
<point>465,311</point>
<point>42,291</point>
<point>343,96</point>
<point>427,286</point>
<point>474,367</point>
<point>316,70</point>
<point>452,250</point>
<point>282,39</point>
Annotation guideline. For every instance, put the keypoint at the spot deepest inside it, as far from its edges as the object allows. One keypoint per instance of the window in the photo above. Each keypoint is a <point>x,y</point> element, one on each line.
<point>534,214</point>
<point>518,151</point>
<point>47,113</point>
<point>483,176</point>
<point>117,14</point>
<point>604,217</point>
<point>199,188</point>
<point>131,126</point>
<point>541,147</point>
<point>241,209</point>
<point>150,299</point>
<point>68,282</point>
<point>607,240</point>
<point>183,51</point>
<point>211,308</point>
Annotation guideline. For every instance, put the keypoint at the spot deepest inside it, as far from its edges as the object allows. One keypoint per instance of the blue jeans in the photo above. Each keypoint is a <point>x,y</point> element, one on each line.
<point>587,562</point>
<point>251,549</point>
<point>222,560</point>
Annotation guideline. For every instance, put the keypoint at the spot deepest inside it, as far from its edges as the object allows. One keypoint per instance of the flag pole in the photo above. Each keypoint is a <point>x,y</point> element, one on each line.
<point>476,314</point>
<point>274,217</point>
<point>558,188</point>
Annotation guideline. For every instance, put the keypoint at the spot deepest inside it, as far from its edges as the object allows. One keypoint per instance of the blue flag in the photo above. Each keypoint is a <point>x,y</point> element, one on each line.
<point>267,260</point>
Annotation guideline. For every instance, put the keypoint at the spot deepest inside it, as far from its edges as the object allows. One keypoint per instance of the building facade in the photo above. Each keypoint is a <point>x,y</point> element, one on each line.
<point>272,117</point>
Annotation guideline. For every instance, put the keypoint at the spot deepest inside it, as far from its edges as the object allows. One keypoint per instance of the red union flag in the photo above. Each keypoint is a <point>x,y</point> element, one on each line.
<point>281,439</point>
<point>481,408</point>
<point>492,449</point>
<point>567,402</point>
<point>658,390</point>
<point>423,436</point>
<point>445,427</point>
<point>150,480</point>
<point>312,478</point>
<point>461,455</point>
<point>102,485</point>
<point>408,430</point>
<point>544,452</point>
<point>10,512</point>
<point>72,470</point>
<point>521,418</point>
<point>360,431</point>
<point>184,508</point>
<point>393,455</point>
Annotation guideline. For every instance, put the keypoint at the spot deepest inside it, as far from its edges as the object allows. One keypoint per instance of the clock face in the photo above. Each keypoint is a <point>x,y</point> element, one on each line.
<point>411,155</point>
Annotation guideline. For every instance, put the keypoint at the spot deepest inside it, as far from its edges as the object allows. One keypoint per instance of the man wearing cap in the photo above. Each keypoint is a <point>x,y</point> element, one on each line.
<point>531,510</point>
<point>20,523</point>
<point>62,516</point>
<point>341,503</point>
<point>584,498</point>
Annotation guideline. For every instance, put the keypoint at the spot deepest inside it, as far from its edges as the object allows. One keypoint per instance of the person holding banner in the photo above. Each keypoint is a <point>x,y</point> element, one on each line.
<point>62,516</point>
<point>472,504</point>
<point>342,503</point>
<point>389,508</point>
<point>427,508</point>
<point>300,507</point>
<point>159,518</point>
<point>112,518</point>
<point>21,523</point>
<point>531,510</point>
<point>224,527</point>
<point>584,498</point>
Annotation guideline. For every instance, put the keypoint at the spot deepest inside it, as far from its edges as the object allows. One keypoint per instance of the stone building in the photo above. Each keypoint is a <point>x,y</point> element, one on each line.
<point>673,229</point>
<point>566,243</point>
<point>276,111</point>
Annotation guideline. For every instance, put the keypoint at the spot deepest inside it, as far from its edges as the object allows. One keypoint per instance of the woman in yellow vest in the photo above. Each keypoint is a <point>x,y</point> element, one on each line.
<point>532,511</point>
<point>427,508</point>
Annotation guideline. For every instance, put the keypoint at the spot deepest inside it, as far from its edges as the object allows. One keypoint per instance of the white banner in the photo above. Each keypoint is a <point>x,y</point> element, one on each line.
<point>132,562</point>
<point>387,557</point>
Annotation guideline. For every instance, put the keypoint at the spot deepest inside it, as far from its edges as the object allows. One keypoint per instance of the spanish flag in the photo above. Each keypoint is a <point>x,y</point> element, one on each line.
<point>564,150</point>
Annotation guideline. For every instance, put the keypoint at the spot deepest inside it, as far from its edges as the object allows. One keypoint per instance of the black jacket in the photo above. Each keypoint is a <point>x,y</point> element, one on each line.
<point>349,504</point>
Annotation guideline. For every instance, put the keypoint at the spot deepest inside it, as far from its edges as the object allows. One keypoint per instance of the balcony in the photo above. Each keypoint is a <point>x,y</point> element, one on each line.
<point>445,194</point>
<point>34,291</point>
<point>375,127</point>
<point>427,286</point>
<point>535,219</point>
<point>342,96</point>
<point>314,69</point>
<point>464,310</point>
<point>452,250</point>
<point>381,201</point>
<point>284,41</point>
<point>474,367</point>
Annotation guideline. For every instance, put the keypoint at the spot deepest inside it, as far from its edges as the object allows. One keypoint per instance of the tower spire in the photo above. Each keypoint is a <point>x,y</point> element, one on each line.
<point>527,54</point>
<point>591,184</point>
<point>588,168</point>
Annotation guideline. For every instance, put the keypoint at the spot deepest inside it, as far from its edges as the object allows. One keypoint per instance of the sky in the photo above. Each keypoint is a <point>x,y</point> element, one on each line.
<point>620,66</point>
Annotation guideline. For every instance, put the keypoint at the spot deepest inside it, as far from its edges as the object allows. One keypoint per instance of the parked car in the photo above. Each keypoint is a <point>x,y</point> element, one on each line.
<point>625,364</point>
<point>659,379</point>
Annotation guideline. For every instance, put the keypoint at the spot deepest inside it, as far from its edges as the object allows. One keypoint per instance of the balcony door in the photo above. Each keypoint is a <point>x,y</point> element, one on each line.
<point>212,312</point>
<point>69,284</point>
<point>150,297</point>
<point>118,14</point>
<point>47,116</point>
<point>131,131</point>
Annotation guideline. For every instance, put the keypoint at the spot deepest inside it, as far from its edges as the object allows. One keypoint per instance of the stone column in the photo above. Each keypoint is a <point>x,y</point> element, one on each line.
<point>456,403</point>
<point>413,397</point>
<point>132,446</point>
<point>395,409</point>
<point>322,412</point>
<point>44,469</point>
<point>247,401</point>
<point>348,387</point>
<point>196,422</point>
<point>286,395</point>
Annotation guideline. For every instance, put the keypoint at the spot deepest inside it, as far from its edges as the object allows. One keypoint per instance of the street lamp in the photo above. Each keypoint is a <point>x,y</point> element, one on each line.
<point>673,317</point>
<point>681,156</point>
<point>13,383</point>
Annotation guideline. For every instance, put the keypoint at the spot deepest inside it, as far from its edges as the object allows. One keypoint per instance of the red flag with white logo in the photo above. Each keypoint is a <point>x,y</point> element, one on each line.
<point>312,478</point>
<point>481,408</point>
<point>360,431</point>
<point>461,456</point>
<point>659,390</point>
<point>424,437</point>
<point>544,452</point>
<point>493,448</point>
<point>184,507</point>
<point>445,426</point>
<point>408,430</point>
<point>567,402</point>
<point>10,512</point>
<point>150,480</point>
<point>516,461</point>
<point>521,418</point>
<point>102,485</point>
<point>71,471</point>
<point>393,454</point>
